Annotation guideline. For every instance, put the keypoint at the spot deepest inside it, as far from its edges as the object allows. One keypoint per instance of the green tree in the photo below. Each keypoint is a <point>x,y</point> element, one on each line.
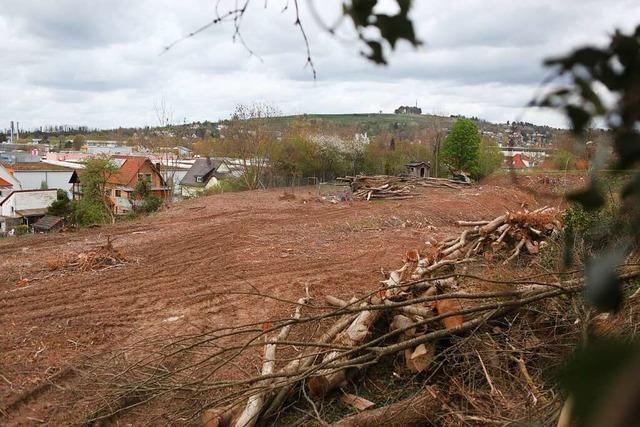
<point>93,208</point>
<point>78,142</point>
<point>461,148</point>
<point>490,157</point>
<point>61,206</point>
<point>149,202</point>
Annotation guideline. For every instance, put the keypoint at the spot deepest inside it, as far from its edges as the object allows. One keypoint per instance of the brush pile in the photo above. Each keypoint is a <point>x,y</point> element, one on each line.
<point>482,351</point>
<point>366,187</point>
<point>105,256</point>
<point>418,310</point>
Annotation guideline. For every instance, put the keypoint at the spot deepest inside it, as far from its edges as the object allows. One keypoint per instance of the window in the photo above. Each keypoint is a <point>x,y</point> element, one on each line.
<point>147,176</point>
<point>198,179</point>
<point>118,193</point>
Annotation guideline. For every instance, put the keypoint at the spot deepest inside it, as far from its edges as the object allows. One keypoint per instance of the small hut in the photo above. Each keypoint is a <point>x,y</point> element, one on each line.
<point>48,224</point>
<point>419,169</point>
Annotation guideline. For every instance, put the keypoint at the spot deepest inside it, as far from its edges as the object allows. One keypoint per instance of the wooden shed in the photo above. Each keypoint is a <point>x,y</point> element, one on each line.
<point>419,169</point>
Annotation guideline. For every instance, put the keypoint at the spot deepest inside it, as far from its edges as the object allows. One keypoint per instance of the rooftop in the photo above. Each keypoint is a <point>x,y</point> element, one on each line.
<point>36,166</point>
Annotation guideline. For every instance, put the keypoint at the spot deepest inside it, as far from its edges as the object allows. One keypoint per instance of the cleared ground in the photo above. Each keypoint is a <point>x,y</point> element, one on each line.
<point>182,260</point>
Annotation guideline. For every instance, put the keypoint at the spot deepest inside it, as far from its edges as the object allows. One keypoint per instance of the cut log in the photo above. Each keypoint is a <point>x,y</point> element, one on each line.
<point>355,334</point>
<point>450,305</point>
<point>255,403</point>
<point>305,360</point>
<point>422,409</point>
<point>357,402</point>
<point>421,358</point>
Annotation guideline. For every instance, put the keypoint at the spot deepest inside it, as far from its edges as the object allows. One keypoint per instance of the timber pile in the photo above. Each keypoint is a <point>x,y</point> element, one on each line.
<point>365,187</point>
<point>419,310</point>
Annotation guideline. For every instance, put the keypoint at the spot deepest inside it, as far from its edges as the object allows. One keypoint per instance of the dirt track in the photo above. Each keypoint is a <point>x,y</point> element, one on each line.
<point>179,257</point>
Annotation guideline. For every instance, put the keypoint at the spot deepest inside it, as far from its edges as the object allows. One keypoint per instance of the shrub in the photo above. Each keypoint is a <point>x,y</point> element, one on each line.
<point>226,185</point>
<point>585,233</point>
<point>22,229</point>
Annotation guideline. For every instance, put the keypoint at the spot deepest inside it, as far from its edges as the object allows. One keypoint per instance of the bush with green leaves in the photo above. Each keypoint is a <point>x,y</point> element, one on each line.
<point>226,185</point>
<point>490,158</point>
<point>149,201</point>
<point>461,148</point>
<point>22,229</point>
<point>61,206</point>
<point>585,234</point>
<point>92,208</point>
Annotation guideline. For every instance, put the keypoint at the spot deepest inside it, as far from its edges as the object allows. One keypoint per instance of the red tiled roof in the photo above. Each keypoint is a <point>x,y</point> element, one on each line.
<point>4,183</point>
<point>129,170</point>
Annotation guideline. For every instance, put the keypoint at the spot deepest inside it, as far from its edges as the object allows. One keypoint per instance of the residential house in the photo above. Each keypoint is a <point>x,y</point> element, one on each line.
<point>204,174</point>
<point>120,186</point>
<point>24,207</point>
<point>419,169</point>
<point>42,176</point>
<point>8,182</point>
<point>518,161</point>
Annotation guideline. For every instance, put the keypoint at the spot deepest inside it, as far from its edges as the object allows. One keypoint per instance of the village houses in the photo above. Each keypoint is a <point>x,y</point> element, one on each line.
<point>120,186</point>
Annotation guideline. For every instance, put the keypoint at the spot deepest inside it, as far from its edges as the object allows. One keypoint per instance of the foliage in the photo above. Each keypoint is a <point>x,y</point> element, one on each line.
<point>249,136</point>
<point>585,233</point>
<point>490,157</point>
<point>596,75</point>
<point>78,142</point>
<point>461,148</point>
<point>564,160</point>
<point>92,208</point>
<point>390,28</point>
<point>226,185</point>
<point>146,201</point>
<point>22,229</point>
<point>61,206</point>
<point>44,185</point>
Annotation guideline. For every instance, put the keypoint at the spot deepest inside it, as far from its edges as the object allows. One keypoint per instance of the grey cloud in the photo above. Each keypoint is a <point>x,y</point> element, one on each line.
<point>99,62</point>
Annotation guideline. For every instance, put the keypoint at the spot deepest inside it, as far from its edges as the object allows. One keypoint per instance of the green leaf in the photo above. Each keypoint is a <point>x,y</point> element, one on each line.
<point>579,118</point>
<point>376,52</point>
<point>603,287</point>
<point>590,373</point>
<point>591,198</point>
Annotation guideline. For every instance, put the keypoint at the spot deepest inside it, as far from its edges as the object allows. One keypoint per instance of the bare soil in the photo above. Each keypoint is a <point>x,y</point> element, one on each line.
<point>181,261</point>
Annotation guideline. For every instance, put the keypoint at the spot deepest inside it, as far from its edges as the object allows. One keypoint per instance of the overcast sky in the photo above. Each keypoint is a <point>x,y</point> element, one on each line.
<point>99,62</point>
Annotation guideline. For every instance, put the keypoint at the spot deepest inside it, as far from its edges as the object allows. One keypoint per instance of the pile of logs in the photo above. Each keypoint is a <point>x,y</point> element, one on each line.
<point>365,187</point>
<point>419,308</point>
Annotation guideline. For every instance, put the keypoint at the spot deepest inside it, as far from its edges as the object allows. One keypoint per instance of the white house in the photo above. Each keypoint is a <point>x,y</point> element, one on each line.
<point>24,207</point>
<point>36,176</point>
<point>8,182</point>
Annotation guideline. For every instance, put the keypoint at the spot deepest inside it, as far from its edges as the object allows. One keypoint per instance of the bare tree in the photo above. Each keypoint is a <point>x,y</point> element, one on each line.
<point>248,138</point>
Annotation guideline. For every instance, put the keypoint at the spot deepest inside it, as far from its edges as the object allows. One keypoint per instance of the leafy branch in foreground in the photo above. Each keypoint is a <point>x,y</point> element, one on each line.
<point>602,89</point>
<point>390,27</point>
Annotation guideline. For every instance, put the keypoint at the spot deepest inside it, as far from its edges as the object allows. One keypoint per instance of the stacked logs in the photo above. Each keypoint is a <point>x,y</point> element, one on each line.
<point>365,187</point>
<point>419,310</point>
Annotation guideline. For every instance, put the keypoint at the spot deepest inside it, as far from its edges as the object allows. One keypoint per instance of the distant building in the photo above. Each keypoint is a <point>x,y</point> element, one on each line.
<point>48,224</point>
<point>8,182</point>
<point>40,175</point>
<point>203,175</point>
<point>419,169</point>
<point>406,109</point>
<point>120,186</point>
<point>183,151</point>
<point>109,147</point>
<point>24,207</point>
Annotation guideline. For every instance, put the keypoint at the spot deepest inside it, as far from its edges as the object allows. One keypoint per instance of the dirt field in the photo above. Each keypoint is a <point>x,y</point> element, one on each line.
<point>178,258</point>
